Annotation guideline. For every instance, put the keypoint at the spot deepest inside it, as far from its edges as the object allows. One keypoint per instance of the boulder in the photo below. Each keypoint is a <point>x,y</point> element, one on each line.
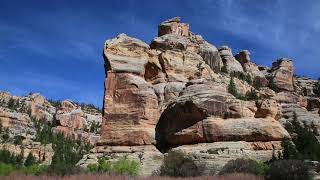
<point>243,56</point>
<point>268,108</point>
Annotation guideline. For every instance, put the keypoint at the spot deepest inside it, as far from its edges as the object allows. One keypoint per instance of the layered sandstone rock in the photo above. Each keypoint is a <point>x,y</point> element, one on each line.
<point>217,129</point>
<point>171,95</point>
<point>282,74</point>
<point>130,110</point>
<point>211,157</point>
<point>229,61</point>
<point>173,26</point>
<point>251,68</point>
<point>74,123</point>
<point>306,85</point>
<point>20,116</point>
<point>174,35</point>
<point>268,108</point>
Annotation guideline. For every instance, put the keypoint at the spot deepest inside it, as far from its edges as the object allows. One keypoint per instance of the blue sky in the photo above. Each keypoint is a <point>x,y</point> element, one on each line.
<point>55,47</point>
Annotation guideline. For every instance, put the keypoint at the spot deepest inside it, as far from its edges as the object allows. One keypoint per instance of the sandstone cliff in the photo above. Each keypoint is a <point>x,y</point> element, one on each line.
<point>173,95</point>
<point>21,119</point>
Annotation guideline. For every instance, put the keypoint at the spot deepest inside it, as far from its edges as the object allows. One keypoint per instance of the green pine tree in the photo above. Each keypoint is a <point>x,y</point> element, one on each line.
<point>232,88</point>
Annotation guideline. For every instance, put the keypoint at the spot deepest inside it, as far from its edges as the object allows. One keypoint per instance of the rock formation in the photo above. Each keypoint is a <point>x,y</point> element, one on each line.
<point>174,95</point>
<point>19,117</point>
<point>171,95</point>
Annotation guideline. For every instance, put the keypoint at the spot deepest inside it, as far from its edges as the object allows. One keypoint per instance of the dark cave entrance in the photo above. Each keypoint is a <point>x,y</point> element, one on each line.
<point>174,119</point>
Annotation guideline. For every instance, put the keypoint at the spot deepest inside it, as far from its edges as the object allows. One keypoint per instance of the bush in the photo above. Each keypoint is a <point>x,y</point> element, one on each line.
<point>93,168</point>
<point>288,169</point>
<point>102,167</point>
<point>123,166</point>
<point>35,170</point>
<point>31,160</point>
<point>245,166</point>
<point>126,167</point>
<point>6,169</point>
<point>179,164</point>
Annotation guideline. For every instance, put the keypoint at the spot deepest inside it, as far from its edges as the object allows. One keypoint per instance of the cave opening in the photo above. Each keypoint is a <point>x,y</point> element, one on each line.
<point>174,119</point>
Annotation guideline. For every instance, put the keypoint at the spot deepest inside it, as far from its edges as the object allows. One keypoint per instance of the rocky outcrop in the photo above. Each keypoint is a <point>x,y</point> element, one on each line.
<point>170,95</point>
<point>74,123</point>
<point>174,35</point>
<point>217,129</point>
<point>21,119</point>
<point>232,65</point>
<point>173,26</point>
<point>251,68</point>
<point>268,108</point>
<point>282,74</point>
<point>148,156</point>
<point>211,157</point>
<point>306,85</point>
<point>130,110</point>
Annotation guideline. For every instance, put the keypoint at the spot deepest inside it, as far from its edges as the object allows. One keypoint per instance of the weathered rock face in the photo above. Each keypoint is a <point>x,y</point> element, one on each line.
<point>251,68</point>
<point>170,95</point>
<point>211,157</point>
<point>217,129</point>
<point>306,85</point>
<point>174,35</point>
<point>268,108</point>
<point>229,61</point>
<point>20,117</point>
<point>173,26</point>
<point>243,56</point>
<point>294,111</point>
<point>126,54</point>
<point>282,74</point>
<point>74,123</point>
<point>131,110</point>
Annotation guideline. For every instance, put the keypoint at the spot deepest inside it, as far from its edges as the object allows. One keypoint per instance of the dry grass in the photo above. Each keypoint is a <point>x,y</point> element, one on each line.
<point>103,177</point>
